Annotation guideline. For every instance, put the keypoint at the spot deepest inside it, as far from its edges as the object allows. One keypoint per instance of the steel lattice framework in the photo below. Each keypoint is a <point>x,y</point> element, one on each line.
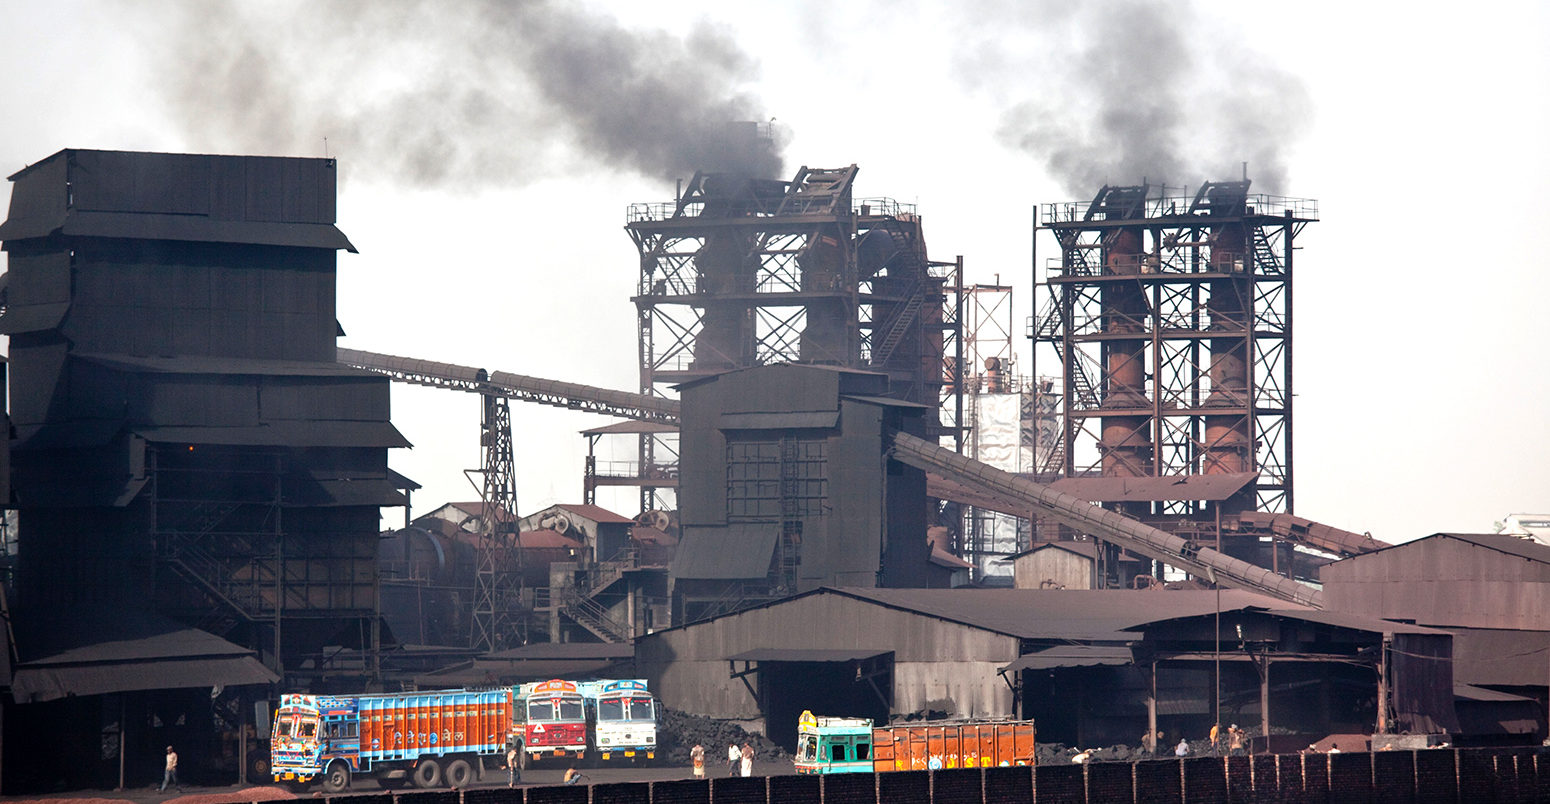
<point>498,623</point>
<point>1170,319</point>
<point>741,272</point>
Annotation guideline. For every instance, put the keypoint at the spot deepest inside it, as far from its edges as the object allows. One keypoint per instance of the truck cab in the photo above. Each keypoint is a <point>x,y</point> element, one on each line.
<point>833,744</point>
<point>626,725</point>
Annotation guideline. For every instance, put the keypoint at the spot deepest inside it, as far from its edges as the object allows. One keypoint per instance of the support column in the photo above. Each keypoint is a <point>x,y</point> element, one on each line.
<point>1264,700</point>
<point>1151,713</point>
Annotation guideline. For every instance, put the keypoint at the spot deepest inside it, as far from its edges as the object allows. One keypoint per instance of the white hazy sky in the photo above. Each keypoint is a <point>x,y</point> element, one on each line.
<point>489,210</point>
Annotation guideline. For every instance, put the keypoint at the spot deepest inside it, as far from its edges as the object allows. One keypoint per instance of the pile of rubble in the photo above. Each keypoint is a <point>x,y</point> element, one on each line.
<point>677,732</point>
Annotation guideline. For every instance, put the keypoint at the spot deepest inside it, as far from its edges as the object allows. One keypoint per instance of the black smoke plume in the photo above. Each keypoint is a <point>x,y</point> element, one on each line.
<point>469,94</point>
<point>1126,90</point>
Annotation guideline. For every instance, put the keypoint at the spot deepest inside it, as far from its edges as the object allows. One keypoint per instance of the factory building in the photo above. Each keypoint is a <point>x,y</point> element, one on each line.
<point>1094,667</point>
<point>188,453</point>
<point>1492,592</point>
<point>786,486</point>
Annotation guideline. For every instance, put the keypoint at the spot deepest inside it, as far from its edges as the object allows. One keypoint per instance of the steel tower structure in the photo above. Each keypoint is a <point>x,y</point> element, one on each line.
<point>738,272</point>
<point>1170,320</point>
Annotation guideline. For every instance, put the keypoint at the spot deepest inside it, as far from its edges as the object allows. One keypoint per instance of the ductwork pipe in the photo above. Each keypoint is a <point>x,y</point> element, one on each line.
<point>1110,526</point>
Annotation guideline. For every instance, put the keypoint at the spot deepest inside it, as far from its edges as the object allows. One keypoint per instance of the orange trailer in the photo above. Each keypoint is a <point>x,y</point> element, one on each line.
<point>957,744</point>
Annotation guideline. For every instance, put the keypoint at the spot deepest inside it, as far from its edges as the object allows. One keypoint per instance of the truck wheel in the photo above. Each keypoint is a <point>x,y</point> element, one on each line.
<point>459,773</point>
<point>337,778</point>
<point>427,774</point>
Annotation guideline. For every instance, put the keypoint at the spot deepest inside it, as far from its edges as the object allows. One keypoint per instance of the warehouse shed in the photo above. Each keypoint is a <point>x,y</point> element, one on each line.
<point>1492,591</point>
<point>890,653</point>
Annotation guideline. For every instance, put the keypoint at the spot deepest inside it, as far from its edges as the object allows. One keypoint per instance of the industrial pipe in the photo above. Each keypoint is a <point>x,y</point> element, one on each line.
<point>1111,526</point>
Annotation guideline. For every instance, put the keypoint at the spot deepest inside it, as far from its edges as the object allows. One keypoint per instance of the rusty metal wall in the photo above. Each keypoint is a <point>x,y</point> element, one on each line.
<point>1443,581</point>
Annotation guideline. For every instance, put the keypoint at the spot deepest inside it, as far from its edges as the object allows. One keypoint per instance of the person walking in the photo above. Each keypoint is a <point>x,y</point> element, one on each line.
<point>169,777</point>
<point>513,765</point>
<point>746,757</point>
<point>697,759</point>
<point>734,759</point>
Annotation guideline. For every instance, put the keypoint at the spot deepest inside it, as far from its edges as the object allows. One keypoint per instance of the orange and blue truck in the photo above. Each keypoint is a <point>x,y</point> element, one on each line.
<point>856,745</point>
<point>428,739</point>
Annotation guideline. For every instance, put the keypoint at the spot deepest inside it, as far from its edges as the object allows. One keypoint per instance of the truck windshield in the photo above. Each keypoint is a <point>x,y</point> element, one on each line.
<point>808,748</point>
<point>624,709</point>
<point>554,709</point>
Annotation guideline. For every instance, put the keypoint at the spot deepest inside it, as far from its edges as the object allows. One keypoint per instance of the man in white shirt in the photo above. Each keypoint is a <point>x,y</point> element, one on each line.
<point>169,778</point>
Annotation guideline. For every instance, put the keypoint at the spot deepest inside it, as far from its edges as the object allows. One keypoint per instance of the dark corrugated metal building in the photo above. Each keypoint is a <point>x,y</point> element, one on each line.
<point>1492,591</point>
<point>185,444</point>
<point>786,486</point>
<point>877,652</point>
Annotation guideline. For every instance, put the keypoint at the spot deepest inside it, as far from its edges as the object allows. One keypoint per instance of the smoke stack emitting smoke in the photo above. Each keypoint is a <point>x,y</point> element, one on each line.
<point>1143,90</point>
<point>479,94</point>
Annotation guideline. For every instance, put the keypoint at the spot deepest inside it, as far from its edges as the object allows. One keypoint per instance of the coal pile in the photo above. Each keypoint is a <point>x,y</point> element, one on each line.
<point>677,732</point>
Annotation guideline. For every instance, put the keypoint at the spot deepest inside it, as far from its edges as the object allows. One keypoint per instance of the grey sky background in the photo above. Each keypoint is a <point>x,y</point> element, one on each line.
<point>488,152</point>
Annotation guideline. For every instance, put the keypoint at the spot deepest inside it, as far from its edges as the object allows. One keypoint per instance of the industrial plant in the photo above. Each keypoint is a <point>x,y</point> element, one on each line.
<point>855,498</point>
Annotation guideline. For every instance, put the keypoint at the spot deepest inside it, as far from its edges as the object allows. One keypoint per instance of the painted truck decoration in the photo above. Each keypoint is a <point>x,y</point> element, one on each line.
<point>554,718</point>
<point>449,737</point>
<point>428,738</point>
<point>625,725</point>
<point>855,745</point>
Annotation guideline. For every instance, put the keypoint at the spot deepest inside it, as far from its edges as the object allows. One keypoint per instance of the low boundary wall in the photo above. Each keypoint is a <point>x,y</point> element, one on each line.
<point>1400,777</point>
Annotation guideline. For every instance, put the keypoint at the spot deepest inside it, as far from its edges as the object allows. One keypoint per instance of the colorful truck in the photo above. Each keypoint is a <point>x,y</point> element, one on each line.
<point>625,720</point>
<point>852,745</point>
<point>553,720</point>
<point>427,738</point>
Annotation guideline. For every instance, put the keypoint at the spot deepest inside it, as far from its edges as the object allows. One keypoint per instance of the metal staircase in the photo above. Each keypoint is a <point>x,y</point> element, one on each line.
<point>594,617</point>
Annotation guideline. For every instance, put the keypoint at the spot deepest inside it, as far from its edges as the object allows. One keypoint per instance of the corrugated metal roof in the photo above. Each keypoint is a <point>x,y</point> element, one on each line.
<point>736,551</point>
<point>596,513</point>
<point>1072,656</point>
<point>884,401</point>
<point>32,317</point>
<point>1354,622</point>
<point>34,684</point>
<point>347,491</point>
<point>805,655</point>
<point>1154,489</point>
<point>98,652</point>
<point>1505,543</point>
<point>627,426</point>
<point>204,364</point>
<point>1500,542</point>
<point>1470,692</point>
<point>283,433</point>
<point>1094,614</point>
